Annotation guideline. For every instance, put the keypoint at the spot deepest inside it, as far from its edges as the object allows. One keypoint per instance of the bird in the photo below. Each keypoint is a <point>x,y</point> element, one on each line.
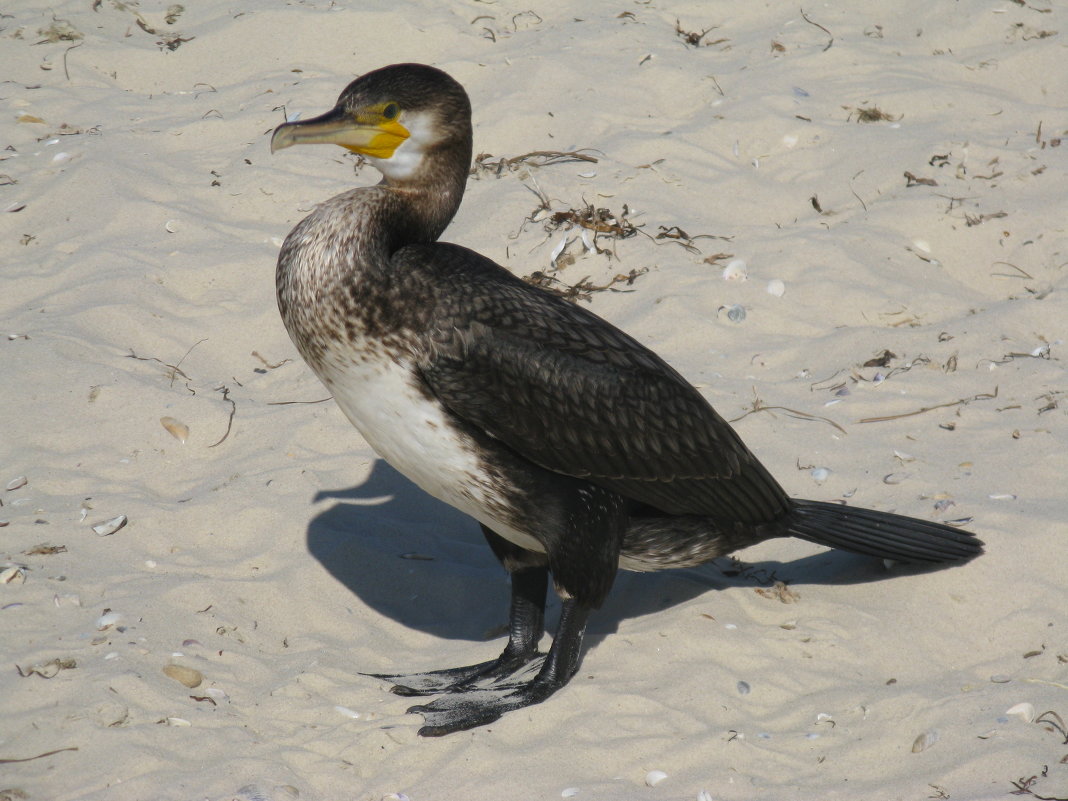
<point>578,450</point>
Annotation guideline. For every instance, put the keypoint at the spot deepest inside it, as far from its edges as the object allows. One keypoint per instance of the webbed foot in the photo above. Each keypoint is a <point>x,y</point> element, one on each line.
<point>461,679</point>
<point>460,711</point>
<point>469,702</point>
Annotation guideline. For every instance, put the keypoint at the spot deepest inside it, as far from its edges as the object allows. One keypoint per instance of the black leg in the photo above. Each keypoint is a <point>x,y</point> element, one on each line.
<point>456,712</point>
<point>581,527</point>
<point>526,623</point>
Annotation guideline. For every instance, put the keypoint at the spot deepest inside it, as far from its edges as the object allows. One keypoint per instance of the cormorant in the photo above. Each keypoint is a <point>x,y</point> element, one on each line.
<point>577,449</point>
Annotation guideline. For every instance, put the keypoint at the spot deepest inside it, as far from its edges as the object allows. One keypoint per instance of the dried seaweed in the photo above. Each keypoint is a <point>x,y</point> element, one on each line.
<point>871,114</point>
<point>488,163</point>
<point>925,409</point>
<point>760,406</point>
<point>39,756</point>
<point>584,289</point>
<point>694,39</point>
<point>830,36</point>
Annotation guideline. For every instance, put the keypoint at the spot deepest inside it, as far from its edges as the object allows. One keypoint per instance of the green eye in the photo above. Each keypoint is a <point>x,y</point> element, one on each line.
<point>391,111</point>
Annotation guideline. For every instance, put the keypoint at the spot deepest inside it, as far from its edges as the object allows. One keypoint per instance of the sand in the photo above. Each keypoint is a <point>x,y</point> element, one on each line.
<point>140,217</point>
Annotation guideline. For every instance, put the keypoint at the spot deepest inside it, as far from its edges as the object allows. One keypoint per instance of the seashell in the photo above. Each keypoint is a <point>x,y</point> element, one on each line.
<point>217,693</point>
<point>1000,678</point>
<point>188,676</point>
<point>654,777</point>
<point>558,251</point>
<point>735,312</point>
<point>776,288</point>
<point>61,157</point>
<point>178,430</point>
<point>1024,709</point>
<point>107,620</point>
<point>178,722</point>
<point>790,140</point>
<point>569,792</point>
<point>16,483</point>
<point>925,741</point>
<point>743,689</point>
<point>704,795</point>
<point>349,713</point>
<point>922,245</point>
<point>1002,496</point>
<point>735,270</point>
<point>18,205</point>
<point>820,474</point>
<point>895,478</point>
<point>12,575</point>
<point>171,226</point>
<point>109,527</point>
<point>586,243</point>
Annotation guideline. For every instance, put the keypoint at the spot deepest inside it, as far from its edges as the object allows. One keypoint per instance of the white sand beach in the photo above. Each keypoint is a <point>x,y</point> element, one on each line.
<point>898,168</point>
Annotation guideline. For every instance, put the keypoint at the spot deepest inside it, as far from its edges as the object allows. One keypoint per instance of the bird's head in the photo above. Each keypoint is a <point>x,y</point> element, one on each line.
<point>396,116</point>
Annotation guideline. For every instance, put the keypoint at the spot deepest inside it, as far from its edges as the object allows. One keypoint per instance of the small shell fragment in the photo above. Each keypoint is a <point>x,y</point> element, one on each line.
<point>16,483</point>
<point>177,429</point>
<point>743,689</point>
<point>349,713</point>
<point>216,693</point>
<point>820,474</point>
<point>735,271</point>
<point>735,312</point>
<point>654,777</point>
<point>188,676</point>
<point>1024,709</point>
<point>13,575</point>
<point>569,792</point>
<point>925,741</point>
<point>171,226</point>
<point>776,288</point>
<point>107,620</point>
<point>109,527</point>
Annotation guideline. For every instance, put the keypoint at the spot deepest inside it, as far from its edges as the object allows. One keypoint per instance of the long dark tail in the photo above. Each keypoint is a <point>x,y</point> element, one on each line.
<point>882,534</point>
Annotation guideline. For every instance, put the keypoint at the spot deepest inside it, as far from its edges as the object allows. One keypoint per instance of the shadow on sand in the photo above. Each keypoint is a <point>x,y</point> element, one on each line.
<point>420,562</point>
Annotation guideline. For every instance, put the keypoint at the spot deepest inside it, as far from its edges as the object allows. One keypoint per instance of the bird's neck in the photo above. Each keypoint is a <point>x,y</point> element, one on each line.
<point>421,204</point>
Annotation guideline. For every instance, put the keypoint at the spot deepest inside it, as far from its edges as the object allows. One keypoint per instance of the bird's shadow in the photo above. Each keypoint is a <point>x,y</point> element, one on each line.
<point>425,565</point>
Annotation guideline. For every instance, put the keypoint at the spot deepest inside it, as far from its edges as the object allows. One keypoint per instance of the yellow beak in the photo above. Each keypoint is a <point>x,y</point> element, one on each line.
<point>378,139</point>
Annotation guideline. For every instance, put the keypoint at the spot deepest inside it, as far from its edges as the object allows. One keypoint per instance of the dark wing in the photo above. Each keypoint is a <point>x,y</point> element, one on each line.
<point>575,395</point>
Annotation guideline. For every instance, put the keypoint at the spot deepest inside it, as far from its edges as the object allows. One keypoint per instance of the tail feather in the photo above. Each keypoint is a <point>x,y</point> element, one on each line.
<point>881,534</point>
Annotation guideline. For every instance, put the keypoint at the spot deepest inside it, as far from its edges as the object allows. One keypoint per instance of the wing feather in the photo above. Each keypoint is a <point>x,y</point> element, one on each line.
<point>570,392</point>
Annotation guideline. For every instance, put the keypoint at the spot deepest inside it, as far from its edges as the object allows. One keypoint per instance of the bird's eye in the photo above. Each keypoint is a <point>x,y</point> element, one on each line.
<point>391,111</point>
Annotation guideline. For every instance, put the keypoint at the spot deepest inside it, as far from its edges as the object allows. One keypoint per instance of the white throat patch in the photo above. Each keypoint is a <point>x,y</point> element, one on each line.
<point>408,157</point>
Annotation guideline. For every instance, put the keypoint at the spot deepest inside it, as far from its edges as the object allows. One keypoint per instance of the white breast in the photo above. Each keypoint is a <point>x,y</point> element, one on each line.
<point>412,432</point>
